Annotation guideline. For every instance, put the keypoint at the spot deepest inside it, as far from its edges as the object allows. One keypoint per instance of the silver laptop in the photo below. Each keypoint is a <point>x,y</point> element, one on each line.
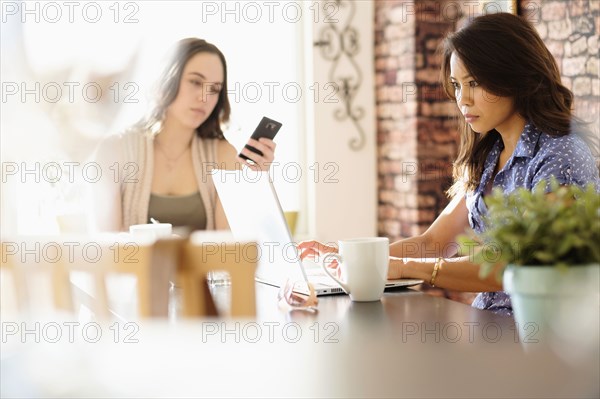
<point>254,213</point>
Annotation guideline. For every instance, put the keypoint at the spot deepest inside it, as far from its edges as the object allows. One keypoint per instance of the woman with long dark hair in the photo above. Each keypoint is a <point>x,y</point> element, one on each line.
<point>516,129</point>
<point>164,162</point>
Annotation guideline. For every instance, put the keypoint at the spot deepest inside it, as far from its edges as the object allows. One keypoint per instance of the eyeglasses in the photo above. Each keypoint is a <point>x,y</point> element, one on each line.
<point>298,295</point>
<point>301,294</point>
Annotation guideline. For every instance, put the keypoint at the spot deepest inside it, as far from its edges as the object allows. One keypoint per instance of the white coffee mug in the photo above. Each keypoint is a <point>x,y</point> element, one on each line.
<point>364,263</point>
<point>152,230</point>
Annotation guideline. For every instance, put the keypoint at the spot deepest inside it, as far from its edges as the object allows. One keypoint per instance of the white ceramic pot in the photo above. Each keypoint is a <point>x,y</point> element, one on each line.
<point>556,307</point>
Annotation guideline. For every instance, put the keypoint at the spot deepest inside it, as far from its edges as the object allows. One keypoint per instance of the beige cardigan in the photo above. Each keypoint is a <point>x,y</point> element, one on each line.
<point>137,147</point>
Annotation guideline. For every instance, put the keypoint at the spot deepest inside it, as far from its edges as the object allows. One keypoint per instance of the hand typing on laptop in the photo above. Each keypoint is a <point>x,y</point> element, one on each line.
<point>316,251</point>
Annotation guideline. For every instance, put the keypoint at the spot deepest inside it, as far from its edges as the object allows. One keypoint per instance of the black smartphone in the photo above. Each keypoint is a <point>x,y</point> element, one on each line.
<point>266,128</point>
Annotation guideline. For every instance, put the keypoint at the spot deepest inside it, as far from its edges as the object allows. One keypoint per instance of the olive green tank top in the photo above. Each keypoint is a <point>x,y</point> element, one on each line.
<point>183,210</point>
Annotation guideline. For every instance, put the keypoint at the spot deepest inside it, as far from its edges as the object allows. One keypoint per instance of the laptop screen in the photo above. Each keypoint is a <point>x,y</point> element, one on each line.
<point>254,213</point>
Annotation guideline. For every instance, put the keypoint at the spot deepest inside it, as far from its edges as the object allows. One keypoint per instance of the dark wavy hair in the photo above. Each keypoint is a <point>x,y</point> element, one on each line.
<point>168,87</point>
<point>506,56</point>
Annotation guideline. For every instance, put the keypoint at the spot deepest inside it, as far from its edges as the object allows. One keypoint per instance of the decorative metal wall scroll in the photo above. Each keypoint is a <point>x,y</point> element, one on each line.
<point>340,46</point>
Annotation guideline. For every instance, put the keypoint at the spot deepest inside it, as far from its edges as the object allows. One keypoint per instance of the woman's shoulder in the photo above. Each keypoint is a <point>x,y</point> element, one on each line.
<point>226,153</point>
<point>223,152</point>
<point>571,145</point>
<point>122,144</point>
<point>568,158</point>
<point>223,145</point>
<point>216,144</point>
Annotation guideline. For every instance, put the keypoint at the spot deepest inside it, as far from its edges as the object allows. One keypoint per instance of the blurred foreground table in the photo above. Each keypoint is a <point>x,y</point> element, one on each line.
<point>407,345</point>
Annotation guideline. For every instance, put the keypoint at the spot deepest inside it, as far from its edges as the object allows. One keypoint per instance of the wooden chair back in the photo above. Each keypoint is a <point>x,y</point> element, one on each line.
<point>237,259</point>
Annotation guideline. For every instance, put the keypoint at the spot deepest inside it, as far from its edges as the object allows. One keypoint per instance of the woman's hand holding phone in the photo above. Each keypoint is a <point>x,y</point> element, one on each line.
<point>255,161</point>
<point>259,152</point>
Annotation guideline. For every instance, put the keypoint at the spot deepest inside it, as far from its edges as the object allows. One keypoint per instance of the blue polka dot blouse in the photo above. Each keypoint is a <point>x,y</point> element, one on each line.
<point>537,157</point>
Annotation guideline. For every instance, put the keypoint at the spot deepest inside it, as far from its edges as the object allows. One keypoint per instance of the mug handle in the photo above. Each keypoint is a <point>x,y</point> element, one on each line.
<point>326,259</point>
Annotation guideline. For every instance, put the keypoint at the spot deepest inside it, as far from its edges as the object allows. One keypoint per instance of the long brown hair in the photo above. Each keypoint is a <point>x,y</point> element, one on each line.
<point>507,57</point>
<point>168,87</point>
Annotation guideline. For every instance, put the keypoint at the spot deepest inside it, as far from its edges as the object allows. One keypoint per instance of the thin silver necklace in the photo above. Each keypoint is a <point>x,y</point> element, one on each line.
<point>171,162</point>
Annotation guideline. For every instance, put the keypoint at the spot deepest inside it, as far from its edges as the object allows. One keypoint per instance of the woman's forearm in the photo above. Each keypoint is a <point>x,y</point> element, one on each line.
<point>421,247</point>
<point>457,274</point>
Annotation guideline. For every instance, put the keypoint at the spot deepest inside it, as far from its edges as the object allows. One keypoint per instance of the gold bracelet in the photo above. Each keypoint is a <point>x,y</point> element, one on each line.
<point>436,269</point>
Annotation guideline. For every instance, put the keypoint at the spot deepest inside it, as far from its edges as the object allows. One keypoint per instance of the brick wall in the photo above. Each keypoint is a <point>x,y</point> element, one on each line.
<point>417,139</point>
<point>437,137</point>
<point>570,29</point>
<point>396,116</point>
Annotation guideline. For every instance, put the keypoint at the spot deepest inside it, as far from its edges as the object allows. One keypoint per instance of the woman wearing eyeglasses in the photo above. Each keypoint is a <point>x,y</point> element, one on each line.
<point>516,129</point>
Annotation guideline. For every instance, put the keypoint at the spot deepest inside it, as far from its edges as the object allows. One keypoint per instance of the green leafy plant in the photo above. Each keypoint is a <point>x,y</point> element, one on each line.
<point>558,227</point>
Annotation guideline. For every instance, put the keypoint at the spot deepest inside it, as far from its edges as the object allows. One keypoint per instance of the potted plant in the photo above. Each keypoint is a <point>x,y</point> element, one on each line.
<point>547,246</point>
